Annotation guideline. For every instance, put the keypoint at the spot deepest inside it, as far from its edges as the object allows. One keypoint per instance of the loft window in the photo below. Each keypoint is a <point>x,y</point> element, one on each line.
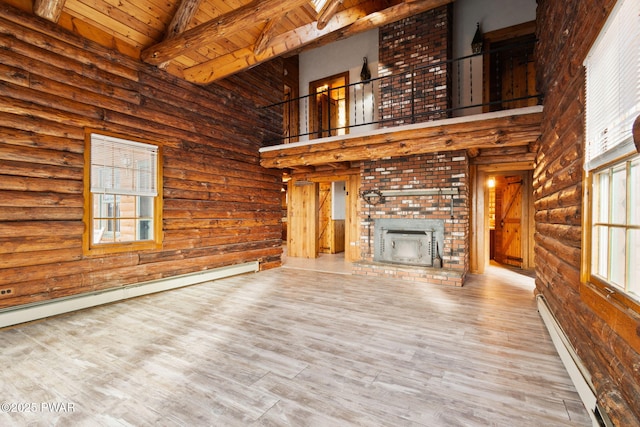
<point>122,196</point>
<point>611,161</point>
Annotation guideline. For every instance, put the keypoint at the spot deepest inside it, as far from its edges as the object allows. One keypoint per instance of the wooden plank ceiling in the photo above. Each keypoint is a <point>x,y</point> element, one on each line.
<point>205,40</point>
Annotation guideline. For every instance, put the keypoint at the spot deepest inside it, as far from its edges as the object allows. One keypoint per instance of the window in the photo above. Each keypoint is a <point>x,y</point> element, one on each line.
<point>611,162</point>
<point>122,199</point>
<point>615,246</point>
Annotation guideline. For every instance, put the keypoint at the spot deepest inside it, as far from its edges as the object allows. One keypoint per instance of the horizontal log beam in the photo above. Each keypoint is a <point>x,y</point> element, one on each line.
<point>218,28</point>
<point>515,130</point>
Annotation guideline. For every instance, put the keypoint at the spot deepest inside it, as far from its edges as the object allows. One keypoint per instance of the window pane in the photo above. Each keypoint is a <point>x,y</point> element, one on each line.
<point>98,232</point>
<point>600,251</point>
<point>127,206</point>
<point>634,194</point>
<point>619,195</point>
<point>145,231</point>
<point>634,266</point>
<point>127,229</point>
<point>145,207</point>
<point>601,197</point>
<point>617,259</point>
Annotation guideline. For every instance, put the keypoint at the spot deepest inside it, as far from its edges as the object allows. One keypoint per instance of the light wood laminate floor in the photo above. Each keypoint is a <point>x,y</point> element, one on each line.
<point>291,347</point>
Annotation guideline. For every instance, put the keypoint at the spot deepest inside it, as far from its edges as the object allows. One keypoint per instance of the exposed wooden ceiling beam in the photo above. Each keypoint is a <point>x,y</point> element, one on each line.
<point>48,9</point>
<point>180,21</point>
<point>268,32</point>
<point>327,12</point>
<point>349,22</point>
<point>183,16</point>
<point>222,26</point>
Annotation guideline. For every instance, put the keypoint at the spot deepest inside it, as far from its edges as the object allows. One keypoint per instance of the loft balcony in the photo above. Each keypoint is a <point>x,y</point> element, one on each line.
<point>485,101</point>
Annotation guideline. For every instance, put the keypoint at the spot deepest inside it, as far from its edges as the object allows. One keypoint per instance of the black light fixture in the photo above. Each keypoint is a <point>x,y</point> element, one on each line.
<point>365,74</point>
<point>476,43</point>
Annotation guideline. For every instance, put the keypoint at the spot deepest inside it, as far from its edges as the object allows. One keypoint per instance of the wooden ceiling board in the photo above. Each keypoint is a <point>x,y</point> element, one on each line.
<point>126,13</point>
<point>212,39</point>
<point>210,9</point>
<point>91,32</point>
<point>120,26</point>
<point>296,18</point>
<point>195,57</point>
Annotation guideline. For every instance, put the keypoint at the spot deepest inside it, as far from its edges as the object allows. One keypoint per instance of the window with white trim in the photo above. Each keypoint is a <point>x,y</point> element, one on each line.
<point>611,161</point>
<point>123,198</point>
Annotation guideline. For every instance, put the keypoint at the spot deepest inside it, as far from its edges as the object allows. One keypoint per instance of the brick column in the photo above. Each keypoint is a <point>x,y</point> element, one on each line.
<point>415,50</point>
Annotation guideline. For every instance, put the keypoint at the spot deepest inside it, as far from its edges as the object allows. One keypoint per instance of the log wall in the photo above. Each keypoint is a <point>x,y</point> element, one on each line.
<point>220,206</point>
<point>566,30</point>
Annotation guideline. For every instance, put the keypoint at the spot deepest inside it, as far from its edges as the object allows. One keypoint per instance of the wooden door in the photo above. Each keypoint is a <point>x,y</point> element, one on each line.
<point>508,234</point>
<point>513,74</point>
<point>352,225</point>
<point>325,117</point>
<point>509,68</point>
<point>330,102</point>
<point>290,116</point>
<point>302,217</point>
<point>325,237</point>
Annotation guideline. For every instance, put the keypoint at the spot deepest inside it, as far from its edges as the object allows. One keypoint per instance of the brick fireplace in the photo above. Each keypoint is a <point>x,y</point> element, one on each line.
<point>424,199</point>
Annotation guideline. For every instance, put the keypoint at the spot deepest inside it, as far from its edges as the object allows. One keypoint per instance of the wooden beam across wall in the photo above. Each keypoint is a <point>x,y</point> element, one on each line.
<point>504,131</point>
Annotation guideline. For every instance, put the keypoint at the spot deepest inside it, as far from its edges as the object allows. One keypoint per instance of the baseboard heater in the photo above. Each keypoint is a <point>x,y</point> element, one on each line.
<point>577,372</point>
<point>29,312</point>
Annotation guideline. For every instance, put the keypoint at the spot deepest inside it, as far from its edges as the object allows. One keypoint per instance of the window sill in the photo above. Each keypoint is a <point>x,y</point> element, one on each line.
<point>619,311</point>
<point>105,249</point>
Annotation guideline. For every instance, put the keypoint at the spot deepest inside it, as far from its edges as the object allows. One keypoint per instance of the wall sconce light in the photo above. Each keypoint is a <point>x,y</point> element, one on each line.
<point>476,43</point>
<point>365,74</point>
<point>491,183</point>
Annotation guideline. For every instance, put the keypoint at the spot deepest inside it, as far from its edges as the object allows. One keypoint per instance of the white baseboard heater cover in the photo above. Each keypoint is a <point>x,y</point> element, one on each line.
<point>577,372</point>
<point>40,310</point>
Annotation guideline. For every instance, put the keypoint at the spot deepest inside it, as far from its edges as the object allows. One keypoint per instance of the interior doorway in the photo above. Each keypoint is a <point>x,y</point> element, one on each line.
<point>322,216</point>
<point>328,115</point>
<point>331,217</point>
<point>507,220</point>
<point>503,219</point>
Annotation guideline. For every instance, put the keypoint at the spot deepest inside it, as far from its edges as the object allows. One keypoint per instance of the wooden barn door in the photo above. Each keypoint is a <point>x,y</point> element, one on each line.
<point>325,221</point>
<point>508,234</point>
<point>302,219</point>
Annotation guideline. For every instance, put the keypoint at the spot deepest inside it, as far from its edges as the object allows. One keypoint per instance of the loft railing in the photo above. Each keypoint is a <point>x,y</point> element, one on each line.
<point>498,79</point>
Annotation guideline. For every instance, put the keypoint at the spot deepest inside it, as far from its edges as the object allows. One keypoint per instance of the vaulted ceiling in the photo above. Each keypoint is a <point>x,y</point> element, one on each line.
<point>205,40</point>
